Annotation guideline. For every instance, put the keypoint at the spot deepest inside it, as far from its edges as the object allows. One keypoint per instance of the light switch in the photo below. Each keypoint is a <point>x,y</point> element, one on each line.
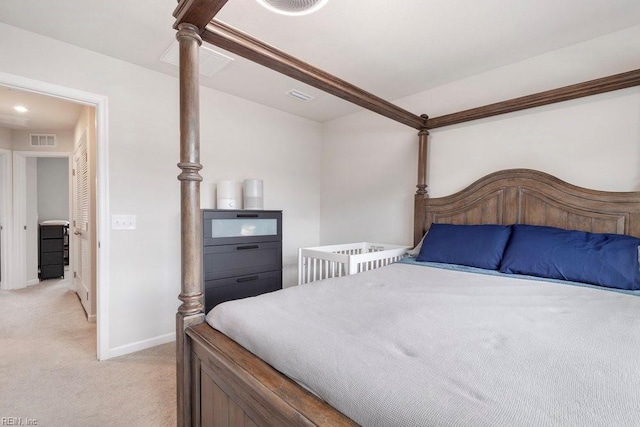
<point>123,222</point>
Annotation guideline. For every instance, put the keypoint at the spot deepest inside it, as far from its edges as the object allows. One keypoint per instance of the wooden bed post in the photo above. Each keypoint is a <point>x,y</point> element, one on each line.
<point>422,192</point>
<point>190,311</point>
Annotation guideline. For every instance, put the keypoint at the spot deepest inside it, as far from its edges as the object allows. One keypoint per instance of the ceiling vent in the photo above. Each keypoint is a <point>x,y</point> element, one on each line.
<point>211,61</point>
<point>42,140</point>
<point>293,7</point>
<point>300,96</point>
<point>12,121</point>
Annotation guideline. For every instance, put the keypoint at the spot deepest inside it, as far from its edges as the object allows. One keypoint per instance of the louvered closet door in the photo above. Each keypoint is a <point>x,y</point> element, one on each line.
<point>82,237</point>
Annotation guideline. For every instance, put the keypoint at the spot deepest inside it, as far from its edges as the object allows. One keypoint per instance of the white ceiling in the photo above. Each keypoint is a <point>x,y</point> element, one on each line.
<point>390,48</point>
<point>45,112</point>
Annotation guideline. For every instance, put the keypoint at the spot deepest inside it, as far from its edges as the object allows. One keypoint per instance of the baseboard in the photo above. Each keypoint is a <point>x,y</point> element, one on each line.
<point>33,282</point>
<point>141,345</point>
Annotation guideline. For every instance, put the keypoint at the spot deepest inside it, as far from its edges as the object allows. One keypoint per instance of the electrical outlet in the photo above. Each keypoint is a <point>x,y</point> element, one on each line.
<point>123,222</point>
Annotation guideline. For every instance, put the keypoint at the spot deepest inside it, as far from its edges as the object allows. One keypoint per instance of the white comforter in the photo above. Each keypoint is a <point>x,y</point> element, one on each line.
<point>407,345</point>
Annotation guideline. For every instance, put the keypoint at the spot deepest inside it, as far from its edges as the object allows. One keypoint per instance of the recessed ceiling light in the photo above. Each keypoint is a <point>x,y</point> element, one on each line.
<point>20,109</point>
<point>293,7</point>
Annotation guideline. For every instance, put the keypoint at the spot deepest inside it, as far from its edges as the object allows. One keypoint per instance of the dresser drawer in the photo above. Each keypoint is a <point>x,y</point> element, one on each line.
<point>51,271</point>
<point>51,245</point>
<point>232,288</point>
<point>51,258</point>
<point>236,227</point>
<point>242,259</point>
<point>51,231</point>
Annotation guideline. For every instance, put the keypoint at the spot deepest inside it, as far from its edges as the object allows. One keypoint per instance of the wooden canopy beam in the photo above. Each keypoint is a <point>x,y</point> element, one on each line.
<point>242,44</point>
<point>197,12</point>
<point>591,87</point>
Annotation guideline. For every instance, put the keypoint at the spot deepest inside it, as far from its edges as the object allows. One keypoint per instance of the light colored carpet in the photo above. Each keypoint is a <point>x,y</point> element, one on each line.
<point>49,371</point>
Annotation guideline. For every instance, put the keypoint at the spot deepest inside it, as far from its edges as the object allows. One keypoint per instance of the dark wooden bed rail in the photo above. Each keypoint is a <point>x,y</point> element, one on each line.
<point>226,37</point>
<point>197,12</point>
<point>591,87</point>
<point>195,22</point>
<point>200,13</point>
<point>566,93</point>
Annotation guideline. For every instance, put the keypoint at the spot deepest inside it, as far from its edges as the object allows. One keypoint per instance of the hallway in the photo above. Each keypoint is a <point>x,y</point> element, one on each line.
<point>50,373</point>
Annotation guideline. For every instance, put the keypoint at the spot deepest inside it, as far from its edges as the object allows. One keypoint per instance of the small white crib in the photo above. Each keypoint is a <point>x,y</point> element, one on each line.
<point>324,262</point>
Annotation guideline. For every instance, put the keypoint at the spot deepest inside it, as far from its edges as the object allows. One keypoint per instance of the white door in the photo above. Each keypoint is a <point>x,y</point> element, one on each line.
<point>80,225</point>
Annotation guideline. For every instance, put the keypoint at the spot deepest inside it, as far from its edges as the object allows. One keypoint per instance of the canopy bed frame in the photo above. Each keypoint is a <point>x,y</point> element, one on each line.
<point>221,383</point>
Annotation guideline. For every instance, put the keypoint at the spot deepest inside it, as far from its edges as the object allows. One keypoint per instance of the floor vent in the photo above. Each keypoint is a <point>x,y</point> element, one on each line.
<point>42,140</point>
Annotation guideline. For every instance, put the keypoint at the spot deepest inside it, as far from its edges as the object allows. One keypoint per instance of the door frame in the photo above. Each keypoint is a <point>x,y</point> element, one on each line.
<point>19,210</point>
<point>100,103</point>
<point>6,217</point>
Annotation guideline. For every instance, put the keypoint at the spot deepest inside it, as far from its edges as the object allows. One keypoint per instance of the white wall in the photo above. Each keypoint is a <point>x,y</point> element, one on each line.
<point>240,139</point>
<point>5,138</point>
<point>281,149</point>
<point>370,163</point>
<point>53,188</point>
<point>32,220</point>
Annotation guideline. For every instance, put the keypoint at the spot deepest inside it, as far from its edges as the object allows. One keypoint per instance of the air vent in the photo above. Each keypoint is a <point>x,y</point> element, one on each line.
<point>211,61</point>
<point>12,121</point>
<point>300,96</point>
<point>42,140</point>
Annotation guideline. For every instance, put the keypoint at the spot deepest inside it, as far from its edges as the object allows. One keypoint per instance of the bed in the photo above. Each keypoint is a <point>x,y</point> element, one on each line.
<point>219,382</point>
<point>420,344</point>
<point>506,197</point>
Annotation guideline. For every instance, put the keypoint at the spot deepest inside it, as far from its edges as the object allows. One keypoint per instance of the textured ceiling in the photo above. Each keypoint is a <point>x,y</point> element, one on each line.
<point>392,49</point>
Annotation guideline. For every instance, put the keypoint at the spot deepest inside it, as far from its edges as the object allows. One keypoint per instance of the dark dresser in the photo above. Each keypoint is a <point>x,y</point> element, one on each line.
<point>242,254</point>
<point>51,244</point>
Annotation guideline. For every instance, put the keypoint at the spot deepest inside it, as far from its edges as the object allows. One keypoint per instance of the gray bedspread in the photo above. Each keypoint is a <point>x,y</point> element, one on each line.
<point>406,345</point>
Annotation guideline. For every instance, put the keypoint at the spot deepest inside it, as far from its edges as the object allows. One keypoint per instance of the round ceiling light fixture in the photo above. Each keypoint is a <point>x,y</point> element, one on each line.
<point>293,7</point>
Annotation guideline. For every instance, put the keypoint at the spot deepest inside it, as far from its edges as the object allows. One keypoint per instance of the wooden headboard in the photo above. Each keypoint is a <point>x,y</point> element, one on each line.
<point>523,196</point>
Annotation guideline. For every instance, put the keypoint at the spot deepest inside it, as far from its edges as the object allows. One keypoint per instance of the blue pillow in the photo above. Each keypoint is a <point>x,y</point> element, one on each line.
<point>609,260</point>
<point>479,246</point>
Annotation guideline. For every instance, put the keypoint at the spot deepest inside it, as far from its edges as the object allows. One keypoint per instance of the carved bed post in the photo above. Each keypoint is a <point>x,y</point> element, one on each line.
<point>422,192</point>
<point>190,311</point>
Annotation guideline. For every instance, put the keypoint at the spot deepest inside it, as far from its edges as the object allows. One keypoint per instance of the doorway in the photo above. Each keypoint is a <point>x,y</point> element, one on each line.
<point>41,197</point>
<point>101,241</point>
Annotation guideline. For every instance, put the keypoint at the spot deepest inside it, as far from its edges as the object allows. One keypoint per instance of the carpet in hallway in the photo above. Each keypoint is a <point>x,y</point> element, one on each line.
<point>49,371</point>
